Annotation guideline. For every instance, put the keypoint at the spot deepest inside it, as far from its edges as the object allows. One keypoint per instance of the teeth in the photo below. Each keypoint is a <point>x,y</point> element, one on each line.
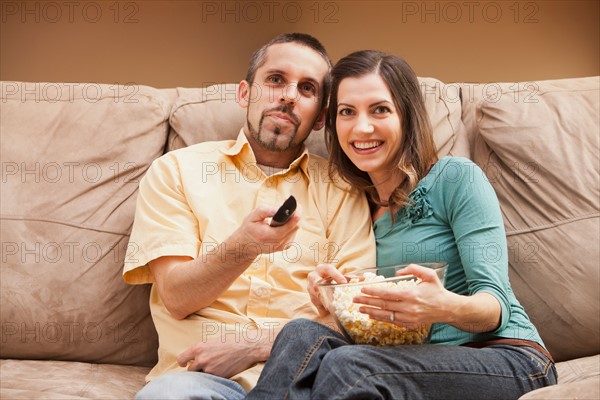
<point>366,145</point>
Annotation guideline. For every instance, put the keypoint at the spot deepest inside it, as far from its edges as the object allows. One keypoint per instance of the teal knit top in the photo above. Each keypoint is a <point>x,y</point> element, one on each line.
<point>454,216</point>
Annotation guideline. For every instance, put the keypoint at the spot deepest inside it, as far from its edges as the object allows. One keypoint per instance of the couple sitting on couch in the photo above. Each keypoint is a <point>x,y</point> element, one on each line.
<point>223,291</point>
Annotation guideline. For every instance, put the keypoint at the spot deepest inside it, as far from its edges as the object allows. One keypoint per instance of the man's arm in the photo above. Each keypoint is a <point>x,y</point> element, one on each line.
<point>186,285</point>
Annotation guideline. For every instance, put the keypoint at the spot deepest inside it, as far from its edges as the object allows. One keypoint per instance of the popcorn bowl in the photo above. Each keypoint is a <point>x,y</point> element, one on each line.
<point>359,328</point>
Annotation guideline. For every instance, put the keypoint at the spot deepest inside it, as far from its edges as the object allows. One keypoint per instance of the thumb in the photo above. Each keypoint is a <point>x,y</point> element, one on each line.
<point>260,213</point>
<point>184,357</point>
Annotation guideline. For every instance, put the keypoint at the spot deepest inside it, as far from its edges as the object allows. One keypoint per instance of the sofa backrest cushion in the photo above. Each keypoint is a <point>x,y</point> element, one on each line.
<point>212,113</point>
<point>538,144</point>
<point>72,156</point>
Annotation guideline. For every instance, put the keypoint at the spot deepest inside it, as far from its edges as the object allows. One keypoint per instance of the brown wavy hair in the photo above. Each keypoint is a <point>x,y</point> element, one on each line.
<point>417,153</point>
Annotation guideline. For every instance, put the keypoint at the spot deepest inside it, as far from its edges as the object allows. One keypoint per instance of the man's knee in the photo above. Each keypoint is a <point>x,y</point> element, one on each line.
<point>348,358</point>
<point>302,328</point>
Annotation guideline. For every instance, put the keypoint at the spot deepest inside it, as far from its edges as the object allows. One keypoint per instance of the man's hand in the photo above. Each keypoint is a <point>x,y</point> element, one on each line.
<point>255,236</point>
<point>227,358</point>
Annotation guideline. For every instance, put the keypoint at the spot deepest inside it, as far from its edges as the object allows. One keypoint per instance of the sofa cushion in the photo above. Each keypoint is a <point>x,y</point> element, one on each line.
<point>588,389</point>
<point>538,144</point>
<point>443,103</point>
<point>205,114</point>
<point>26,379</point>
<point>579,369</point>
<point>72,156</point>
<point>212,113</point>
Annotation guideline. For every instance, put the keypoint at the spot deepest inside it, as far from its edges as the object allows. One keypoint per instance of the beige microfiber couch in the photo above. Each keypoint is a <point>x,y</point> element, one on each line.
<point>72,156</point>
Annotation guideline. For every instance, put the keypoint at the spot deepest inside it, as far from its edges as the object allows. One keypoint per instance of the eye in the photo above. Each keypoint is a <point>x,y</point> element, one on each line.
<point>382,110</point>
<point>275,79</point>
<point>308,88</point>
<point>345,111</point>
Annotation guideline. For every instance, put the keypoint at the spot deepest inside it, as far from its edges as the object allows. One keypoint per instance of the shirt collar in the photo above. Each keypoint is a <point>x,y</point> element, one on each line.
<point>242,149</point>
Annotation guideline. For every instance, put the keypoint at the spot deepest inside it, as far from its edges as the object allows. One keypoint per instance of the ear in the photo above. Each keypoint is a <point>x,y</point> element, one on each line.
<point>320,121</point>
<point>243,94</point>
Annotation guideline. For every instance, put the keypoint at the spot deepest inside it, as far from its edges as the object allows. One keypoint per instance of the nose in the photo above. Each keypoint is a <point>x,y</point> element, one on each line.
<point>364,125</point>
<point>289,94</point>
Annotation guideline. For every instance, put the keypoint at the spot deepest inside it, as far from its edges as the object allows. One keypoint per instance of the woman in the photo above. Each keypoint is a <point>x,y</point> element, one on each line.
<point>424,209</point>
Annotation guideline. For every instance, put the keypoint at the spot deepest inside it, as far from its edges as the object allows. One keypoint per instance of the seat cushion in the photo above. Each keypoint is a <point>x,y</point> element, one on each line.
<point>25,379</point>
<point>588,389</point>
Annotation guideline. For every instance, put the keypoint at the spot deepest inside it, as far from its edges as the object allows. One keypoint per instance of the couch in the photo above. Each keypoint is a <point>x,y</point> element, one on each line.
<point>72,155</point>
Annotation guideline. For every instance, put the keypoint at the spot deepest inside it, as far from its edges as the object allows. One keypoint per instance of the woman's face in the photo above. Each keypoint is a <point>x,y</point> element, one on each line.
<point>368,125</point>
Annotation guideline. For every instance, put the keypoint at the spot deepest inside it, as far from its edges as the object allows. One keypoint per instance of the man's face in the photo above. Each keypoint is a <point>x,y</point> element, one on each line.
<point>284,100</point>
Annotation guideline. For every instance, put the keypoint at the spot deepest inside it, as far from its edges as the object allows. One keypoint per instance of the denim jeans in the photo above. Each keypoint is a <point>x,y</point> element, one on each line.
<point>311,361</point>
<point>191,385</point>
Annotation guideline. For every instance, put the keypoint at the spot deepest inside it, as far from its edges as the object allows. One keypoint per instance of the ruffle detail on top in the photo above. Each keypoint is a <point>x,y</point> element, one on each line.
<point>419,206</point>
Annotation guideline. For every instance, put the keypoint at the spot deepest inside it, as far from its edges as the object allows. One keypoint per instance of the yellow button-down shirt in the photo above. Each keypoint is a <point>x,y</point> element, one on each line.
<point>194,198</point>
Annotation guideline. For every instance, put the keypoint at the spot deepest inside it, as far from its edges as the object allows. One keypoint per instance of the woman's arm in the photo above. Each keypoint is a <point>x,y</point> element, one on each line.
<point>430,302</point>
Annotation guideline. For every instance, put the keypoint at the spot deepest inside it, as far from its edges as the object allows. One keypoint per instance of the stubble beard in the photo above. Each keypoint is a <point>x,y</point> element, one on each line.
<point>274,144</point>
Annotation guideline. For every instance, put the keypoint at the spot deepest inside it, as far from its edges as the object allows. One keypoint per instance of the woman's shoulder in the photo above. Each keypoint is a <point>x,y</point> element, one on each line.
<point>454,162</point>
<point>450,170</point>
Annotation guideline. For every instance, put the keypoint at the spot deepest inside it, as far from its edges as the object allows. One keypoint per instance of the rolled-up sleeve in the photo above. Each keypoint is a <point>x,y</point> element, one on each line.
<point>164,222</point>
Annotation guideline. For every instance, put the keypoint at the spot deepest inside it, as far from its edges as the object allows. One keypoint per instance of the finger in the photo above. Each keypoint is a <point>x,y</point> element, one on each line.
<point>288,234</point>
<point>316,300</point>
<point>423,273</point>
<point>392,294</point>
<point>350,276</point>
<point>399,318</point>
<point>377,313</point>
<point>374,302</point>
<point>195,366</point>
<point>329,272</point>
<point>379,303</point>
<point>313,278</point>
<point>261,213</point>
<point>322,311</point>
<point>281,237</point>
<point>184,357</point>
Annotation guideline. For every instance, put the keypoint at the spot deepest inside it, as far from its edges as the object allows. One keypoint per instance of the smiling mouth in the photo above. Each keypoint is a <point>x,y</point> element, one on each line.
<point>366,145</point>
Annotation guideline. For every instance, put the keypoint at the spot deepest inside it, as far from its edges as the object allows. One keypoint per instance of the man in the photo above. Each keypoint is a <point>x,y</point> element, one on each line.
<point>225,281</point>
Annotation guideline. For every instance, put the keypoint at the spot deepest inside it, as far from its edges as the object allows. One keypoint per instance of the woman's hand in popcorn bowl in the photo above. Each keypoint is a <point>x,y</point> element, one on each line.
<point>367,308</point>
<point>409,307</point>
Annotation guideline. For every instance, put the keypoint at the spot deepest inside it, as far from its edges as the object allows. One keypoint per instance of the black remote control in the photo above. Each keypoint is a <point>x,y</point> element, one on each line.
<point>285,212</point>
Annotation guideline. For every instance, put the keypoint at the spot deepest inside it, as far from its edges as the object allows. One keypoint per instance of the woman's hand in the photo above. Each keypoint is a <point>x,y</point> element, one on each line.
<point>411,306</point>
<point>323,271</point>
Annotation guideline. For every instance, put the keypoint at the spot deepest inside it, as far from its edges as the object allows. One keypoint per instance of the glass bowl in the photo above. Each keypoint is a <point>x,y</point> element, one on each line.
<point>359,328</point>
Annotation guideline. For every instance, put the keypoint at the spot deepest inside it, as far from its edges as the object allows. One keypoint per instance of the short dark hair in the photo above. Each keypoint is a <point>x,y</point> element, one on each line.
<point>259,57</point>
<point>417,152</point>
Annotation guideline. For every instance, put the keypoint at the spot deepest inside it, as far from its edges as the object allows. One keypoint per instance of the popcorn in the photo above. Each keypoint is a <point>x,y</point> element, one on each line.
<point>364,330</point>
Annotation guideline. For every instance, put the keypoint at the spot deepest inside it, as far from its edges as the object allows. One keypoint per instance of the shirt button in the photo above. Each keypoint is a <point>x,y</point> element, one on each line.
<point>261,292</point>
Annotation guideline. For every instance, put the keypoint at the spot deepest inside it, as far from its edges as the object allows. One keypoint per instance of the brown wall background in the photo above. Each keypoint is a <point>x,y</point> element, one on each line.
<point>195,43</point>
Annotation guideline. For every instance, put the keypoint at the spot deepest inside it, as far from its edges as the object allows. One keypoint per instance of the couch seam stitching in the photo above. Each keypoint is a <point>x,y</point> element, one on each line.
<point>55,221</point>
<point>552,224</point>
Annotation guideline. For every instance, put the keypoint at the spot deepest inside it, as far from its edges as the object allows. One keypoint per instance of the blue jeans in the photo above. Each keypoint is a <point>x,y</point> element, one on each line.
<point>191,385</point>
<point>311,361</point>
